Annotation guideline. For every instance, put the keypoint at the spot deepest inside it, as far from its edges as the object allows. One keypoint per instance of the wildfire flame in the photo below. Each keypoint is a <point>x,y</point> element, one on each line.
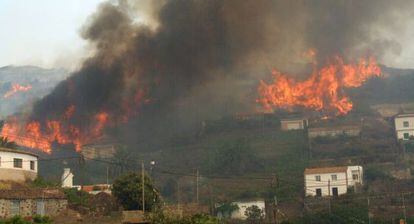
<point>323,90</point>
<point>15,89</point>
<point>32,134</point>
<point>64,129</point>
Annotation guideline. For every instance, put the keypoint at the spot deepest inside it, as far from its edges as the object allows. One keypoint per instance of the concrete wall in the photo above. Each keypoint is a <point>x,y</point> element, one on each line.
<point>28,207</point>
<point>400,129</point>
<point>17,175</point>
<point>312,133</point>
<point>325,184</point>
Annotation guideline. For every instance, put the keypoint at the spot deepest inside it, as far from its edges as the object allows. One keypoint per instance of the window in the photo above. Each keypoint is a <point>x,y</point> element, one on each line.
<point>15,207</point>
<point>355,177</point>
<point>406,124</point>
<point>32,165</point>
<point>335,191</point>
<point>18,163</point>
<point>318,192</point>
<point>318,178</point>
<point>334,177</point>
<point>406,135</point>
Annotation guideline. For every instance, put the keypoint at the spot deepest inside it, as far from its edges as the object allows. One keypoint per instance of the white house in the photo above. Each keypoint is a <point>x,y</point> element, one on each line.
<point>287,124</point>
<point>404,126</point>
<point>332,181</point>
<point>17,165</point>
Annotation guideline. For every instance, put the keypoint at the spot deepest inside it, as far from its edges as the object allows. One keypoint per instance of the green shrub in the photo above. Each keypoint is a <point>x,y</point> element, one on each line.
<point>76,197</point>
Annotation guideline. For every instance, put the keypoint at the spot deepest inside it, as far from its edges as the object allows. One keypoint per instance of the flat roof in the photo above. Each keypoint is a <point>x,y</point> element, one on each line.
<point>32,193</point>
<point>2,149</point>
<point>322,170</point>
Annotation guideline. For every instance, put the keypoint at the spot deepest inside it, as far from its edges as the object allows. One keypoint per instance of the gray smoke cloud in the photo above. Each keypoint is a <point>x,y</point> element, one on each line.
<point>194,60</point>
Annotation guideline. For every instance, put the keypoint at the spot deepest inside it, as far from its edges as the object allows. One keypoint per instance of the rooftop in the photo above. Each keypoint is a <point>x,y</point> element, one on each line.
<point>17,151</point>
<point>405,115</point>
<point>321,170</point>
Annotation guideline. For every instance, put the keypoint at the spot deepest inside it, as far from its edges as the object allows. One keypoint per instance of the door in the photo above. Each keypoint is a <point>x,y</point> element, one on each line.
<point>15,207</point>
<point>318,192</point>
<point>40,207</point>
<point>335,191</point>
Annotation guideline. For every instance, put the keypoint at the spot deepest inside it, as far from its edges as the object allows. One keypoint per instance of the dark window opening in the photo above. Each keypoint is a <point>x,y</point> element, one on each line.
<point>32,165</point>
<point>318,192</point>
<point>18,163</point>
<point>335,191</point>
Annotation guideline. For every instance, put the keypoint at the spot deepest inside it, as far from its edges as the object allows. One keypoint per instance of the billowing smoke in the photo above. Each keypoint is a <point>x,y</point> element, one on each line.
<point>195,59</point>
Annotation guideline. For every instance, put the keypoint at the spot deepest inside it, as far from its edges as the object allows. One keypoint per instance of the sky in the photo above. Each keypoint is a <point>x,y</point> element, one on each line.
<point>43,32</point>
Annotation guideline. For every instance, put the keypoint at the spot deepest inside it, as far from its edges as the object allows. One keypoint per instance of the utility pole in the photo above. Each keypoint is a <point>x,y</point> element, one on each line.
<point>369,215</point>
<point>197,186</point>
<point>274,185</point>
<point>404,209</point>
<point>143,185</point>
<point>107,175</point>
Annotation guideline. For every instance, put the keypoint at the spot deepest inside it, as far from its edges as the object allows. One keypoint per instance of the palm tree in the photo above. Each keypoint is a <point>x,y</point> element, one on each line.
<point>5,143</point>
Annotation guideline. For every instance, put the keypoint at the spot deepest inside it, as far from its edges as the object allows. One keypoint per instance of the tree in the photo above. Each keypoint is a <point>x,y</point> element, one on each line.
<point>234,157</point>
<point>128,190</point>
<point>254,214</point>
<point>226,209</point>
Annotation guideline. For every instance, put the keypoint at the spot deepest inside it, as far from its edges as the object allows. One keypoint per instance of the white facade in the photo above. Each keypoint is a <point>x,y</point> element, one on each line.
<point>332,181</point>
<point>240,213</point>
<point>404,126</point>
<point>293,124</point>
<point>17,165</point>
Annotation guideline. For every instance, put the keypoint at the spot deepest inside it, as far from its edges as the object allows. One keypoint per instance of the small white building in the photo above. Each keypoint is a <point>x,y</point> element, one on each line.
<point>67,178</point>
<point>242,206</point>
<point>287,124</point>
<point>404,126</point>
<point>332,181</point>
<point>17,165</point>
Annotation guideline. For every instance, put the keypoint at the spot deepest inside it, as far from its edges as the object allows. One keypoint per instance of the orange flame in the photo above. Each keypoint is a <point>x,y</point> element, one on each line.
<point>323,90</point>
<point>16,88</point>
<point>35,135</point>
<point>62,130</point>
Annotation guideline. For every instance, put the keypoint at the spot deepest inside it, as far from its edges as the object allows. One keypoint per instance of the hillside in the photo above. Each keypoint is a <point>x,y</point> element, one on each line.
<point>21,85</point>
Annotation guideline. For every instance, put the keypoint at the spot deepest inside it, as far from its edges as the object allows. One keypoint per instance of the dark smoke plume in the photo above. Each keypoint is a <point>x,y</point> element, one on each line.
<point>202,59</point>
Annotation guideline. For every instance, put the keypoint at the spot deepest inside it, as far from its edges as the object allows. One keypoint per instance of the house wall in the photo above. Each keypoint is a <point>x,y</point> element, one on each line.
<point>326,183</point>
<point>9,172</point>
<point>239,214</point>
<point>400,129</point>
<point>293,124</point>
<point>28,207</point>
<point>358,170</point>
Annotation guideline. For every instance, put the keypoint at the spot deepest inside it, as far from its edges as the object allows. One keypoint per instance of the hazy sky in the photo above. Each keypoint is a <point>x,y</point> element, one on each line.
<point>42,32</point>
<point>46,33</point>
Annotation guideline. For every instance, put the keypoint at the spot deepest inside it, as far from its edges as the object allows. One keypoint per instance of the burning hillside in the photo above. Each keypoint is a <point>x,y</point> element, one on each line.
<point>196,60</point>
<point>324,89</point>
